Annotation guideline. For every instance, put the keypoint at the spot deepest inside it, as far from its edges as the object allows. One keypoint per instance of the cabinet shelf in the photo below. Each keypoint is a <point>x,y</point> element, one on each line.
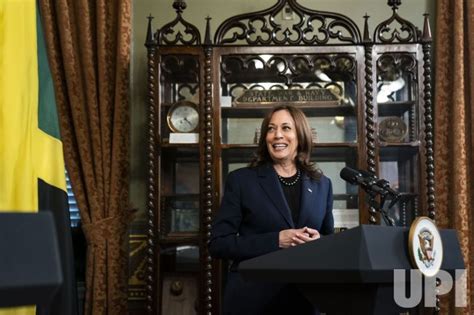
<point>394,108</point>
<point>184,239</point>
<point>335,152</point>
<point>335,145</point>
<point>258,112</point>
<point>238,146</point>
<point>227,146</point>
<point>166,145</point>
<point>181,196</point>
<point>179,153</point>
<point>411,144</point>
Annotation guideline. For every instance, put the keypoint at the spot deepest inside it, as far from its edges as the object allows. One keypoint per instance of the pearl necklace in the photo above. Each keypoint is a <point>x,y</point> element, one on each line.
<point>284,182</point>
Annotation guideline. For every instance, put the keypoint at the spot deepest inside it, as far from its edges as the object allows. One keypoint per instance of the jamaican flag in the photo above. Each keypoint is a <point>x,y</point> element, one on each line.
<point>32,174</point>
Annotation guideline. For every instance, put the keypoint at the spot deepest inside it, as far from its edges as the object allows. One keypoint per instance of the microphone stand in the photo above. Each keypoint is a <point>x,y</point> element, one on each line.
<point>374,187</point>
<point>383,191</point>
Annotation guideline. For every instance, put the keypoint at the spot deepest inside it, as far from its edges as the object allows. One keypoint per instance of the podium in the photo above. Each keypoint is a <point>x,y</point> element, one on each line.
<point>350,272</point>
<point>30,266</point>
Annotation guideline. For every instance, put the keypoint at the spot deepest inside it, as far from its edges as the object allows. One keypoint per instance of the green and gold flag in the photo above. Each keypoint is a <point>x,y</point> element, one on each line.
<point>32,174</point>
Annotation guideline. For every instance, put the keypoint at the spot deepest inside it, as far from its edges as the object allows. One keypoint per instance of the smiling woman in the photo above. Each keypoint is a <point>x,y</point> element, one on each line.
<point>286,142</point>
<point>279,201</point>
<point>282,142</point>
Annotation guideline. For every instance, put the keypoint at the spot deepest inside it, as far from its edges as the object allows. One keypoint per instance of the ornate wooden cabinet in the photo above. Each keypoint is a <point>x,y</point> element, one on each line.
<point>367,95</point>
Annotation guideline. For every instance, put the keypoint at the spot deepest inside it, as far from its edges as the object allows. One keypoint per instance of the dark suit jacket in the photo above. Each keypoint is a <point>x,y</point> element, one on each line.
<point>252,213</point>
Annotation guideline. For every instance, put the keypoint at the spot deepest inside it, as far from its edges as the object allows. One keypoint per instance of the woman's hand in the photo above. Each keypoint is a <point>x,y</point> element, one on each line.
<point>293,237</point>
<point>312,233</point>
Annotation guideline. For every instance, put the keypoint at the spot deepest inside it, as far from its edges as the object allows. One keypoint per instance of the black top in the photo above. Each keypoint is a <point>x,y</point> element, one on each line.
<point>293,195</point>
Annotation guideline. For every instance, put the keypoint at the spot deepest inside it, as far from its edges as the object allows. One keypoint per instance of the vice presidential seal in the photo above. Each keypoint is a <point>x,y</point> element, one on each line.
<point>425,246</point>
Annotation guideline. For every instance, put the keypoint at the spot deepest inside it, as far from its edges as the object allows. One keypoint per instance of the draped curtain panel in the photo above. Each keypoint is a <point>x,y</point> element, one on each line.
<point>454,132</point>
<point>88,43</point>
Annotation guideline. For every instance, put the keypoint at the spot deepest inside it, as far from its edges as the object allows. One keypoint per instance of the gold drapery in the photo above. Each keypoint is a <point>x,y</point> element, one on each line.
<point>88,45</point>
<point>454,137</point>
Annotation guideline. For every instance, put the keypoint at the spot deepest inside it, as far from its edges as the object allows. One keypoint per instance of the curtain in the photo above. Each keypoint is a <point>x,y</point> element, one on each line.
<point>454,132</point>
<point>88,43</point>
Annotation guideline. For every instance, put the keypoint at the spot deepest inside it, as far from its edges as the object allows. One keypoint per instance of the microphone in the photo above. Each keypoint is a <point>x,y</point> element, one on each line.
<point>383,183</point>
<point>372,185</point>
<point>366,180</point>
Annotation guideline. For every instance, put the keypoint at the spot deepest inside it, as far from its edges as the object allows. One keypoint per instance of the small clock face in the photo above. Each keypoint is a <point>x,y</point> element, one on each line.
<point>183,117</point>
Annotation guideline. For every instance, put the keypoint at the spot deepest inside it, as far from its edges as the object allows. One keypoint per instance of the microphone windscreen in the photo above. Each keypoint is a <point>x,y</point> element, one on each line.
<point>367,174</point>
<point>350,175</point>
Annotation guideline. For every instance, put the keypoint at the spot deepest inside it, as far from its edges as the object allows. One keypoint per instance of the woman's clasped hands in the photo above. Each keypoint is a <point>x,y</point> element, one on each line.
<point>293,237</point>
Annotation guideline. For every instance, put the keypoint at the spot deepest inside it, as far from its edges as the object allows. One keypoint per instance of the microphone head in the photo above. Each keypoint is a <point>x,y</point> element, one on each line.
<point>367,174</point>
<point>350,175</point>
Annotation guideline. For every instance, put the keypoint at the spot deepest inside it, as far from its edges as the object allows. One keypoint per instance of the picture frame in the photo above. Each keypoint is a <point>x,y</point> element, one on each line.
<point>180,216</point>
<point>184,220</point>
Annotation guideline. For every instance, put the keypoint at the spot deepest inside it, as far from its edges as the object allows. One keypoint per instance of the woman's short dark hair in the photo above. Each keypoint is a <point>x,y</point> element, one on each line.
<point>305,142</point>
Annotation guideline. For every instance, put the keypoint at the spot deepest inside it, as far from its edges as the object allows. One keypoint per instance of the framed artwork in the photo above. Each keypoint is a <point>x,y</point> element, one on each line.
<point>180,216</point>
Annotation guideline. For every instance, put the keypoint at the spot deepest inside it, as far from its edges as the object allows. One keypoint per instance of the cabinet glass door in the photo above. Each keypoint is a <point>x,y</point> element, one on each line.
<point>399,128</point>
<point>179,183</point>
<point>322,85</point>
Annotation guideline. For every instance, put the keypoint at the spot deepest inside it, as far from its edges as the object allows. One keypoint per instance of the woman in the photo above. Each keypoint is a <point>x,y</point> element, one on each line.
<point>279,201</point>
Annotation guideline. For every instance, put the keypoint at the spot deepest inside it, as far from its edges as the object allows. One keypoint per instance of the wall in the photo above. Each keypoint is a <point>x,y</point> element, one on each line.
<point>220,10</point>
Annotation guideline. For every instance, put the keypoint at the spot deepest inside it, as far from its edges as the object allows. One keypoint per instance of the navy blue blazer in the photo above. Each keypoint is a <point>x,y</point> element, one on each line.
<point>253,212</point>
